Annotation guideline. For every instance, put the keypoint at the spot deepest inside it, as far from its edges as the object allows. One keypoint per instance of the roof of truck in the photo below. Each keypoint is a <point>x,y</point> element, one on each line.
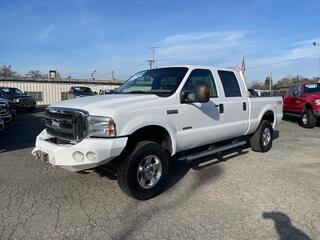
<point>202,66</point>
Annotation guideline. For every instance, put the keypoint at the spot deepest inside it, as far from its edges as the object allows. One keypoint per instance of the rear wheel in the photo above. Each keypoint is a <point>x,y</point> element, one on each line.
<point>308,120</point>
<point>142,174</point>
<point>261,141</point>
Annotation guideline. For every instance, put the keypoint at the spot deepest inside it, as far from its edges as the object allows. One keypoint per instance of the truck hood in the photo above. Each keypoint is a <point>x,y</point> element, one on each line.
<point>96,105</point>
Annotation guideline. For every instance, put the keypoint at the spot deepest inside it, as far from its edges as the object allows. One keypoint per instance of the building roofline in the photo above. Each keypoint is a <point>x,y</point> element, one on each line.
<point>72,81</point>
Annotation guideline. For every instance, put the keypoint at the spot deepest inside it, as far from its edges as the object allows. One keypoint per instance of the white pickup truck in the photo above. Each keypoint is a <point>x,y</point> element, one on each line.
<point>183,111</point>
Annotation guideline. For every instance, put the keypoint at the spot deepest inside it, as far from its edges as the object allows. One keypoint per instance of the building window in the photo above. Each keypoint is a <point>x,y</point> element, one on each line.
<point>64,96</point>
<point>36,95</point>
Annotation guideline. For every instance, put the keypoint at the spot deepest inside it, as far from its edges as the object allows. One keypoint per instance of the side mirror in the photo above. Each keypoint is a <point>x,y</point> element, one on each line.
<point>296,93</point>
<point>202,94</point>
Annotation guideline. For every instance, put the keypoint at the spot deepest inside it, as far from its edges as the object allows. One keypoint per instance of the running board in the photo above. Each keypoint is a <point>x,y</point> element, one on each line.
<point>293,114</point>
<point>206,153</point>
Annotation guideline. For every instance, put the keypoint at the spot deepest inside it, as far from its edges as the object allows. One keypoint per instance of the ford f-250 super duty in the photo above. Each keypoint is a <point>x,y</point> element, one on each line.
<point>184,111</point>
<point>303,100</point>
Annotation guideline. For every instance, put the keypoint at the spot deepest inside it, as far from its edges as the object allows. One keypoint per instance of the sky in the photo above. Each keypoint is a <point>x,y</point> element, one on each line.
<point>76,37</point>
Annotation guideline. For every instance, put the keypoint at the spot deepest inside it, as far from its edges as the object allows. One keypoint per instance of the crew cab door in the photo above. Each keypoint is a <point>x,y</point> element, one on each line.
<point>200,123</point>
<point>235,104</point>
<point>298,100</point>
<point>289,99</point>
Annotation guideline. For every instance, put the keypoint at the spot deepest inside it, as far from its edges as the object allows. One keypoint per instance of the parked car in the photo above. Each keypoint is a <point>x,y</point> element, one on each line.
<point>17,99</point>
<point>188,112</point>
<point>303,100</point>
<point>5,114</point>
<point>1,124</point>
<point>79,91</point>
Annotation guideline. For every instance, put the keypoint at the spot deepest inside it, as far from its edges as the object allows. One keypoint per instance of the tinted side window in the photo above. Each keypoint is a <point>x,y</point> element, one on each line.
<point>201,77</point>
<point>230,84</point>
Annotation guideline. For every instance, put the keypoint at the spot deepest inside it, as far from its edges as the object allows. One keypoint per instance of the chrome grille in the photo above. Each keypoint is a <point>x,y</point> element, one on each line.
<point>25,100</point>
<point>3,108</point>
<point>66,124</point>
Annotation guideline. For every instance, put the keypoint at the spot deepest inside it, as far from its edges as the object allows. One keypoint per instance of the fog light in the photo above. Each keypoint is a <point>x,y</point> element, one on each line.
<point>91,156</point>
<point>78,156</point>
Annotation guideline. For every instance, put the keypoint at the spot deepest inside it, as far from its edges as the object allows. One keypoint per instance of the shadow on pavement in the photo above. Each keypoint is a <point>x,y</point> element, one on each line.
<point>21,132</point>
<point>284,227</point>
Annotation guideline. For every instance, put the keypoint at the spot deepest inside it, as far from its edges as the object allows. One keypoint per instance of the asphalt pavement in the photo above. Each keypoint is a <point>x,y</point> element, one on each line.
<point>238,195</point>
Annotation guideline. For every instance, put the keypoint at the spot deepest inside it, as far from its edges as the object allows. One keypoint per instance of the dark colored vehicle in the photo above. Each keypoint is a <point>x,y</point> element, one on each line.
<point>79,91</point>
<point>5,113</point>
<point>1,124</point>
<point>303,100</point>
<point>17,99</point>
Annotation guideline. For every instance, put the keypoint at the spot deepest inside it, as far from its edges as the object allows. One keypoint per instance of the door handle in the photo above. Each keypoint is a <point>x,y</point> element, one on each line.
<point>220,106</point>
<point>244,106</point>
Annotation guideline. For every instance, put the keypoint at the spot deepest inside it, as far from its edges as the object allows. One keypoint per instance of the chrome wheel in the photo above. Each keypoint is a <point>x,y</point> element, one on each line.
<point>149,171</point>
<point>305,119</point>
<point>266,137</point>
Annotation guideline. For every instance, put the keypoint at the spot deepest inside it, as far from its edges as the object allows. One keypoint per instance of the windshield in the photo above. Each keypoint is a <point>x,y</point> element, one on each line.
<point>161,81</point>
<point>11,91</point>
<point>312,88</point>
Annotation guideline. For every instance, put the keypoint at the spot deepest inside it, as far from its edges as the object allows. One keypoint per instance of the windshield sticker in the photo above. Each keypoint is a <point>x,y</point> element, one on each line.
<point>311,85</point>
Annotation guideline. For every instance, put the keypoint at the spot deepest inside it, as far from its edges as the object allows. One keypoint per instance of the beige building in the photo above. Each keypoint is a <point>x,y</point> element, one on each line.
<point>49,91</point>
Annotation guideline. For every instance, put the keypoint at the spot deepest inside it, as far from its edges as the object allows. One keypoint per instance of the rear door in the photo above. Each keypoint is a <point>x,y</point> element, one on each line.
<point>234,104</point>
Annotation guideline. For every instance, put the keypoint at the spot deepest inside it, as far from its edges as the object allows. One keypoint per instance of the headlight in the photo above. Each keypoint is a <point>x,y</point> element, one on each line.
<point>317,102</point>
<point>16,100</point>
<point>101,127</point>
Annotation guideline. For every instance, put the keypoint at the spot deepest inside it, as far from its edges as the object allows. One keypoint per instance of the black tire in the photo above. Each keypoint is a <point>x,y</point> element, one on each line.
<point>257,138</point>
<point>127,170</point>
<point>308,120</point>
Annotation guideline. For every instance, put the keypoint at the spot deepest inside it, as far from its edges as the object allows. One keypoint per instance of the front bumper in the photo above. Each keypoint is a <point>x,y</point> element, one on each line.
<point>25,105</point>
<point>61,155</point>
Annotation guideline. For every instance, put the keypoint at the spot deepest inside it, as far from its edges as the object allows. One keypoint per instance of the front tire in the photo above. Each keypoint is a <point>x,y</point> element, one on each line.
<point>143,172</point>
<point>261,141</point>
<point>308,120</point>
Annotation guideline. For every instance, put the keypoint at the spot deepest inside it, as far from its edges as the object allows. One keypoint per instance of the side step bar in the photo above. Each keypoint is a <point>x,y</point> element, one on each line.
<point>206,153</point>
<point>292,114</point>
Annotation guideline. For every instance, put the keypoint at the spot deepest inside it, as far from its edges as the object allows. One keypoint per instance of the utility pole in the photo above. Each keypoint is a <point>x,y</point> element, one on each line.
<point>152,61</point>
<point>93,74</point>
<point>317,44</point>
<point>270,84</point>
<point>113,75</point>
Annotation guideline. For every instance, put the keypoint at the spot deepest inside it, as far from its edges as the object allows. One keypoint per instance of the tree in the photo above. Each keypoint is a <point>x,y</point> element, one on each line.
<point>6,72</point>
<point>258,85</point>
<point>36,75</point>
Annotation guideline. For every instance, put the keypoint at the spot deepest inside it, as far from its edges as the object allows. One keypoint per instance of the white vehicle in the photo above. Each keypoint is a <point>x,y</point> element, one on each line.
<point>157,114</point>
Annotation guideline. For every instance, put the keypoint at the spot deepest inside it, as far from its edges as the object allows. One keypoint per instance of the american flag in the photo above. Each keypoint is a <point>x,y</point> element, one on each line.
<point>243,66</point>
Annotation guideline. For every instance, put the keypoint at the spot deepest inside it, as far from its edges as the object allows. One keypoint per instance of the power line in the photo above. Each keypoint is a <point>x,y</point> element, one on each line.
<point>283,61</point>
<point>248,44</point>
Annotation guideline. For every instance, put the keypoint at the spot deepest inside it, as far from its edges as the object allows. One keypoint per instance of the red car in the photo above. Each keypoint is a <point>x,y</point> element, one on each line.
<point>303,100</point>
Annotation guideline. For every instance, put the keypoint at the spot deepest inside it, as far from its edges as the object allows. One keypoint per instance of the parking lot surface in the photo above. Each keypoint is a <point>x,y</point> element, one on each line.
<point>239,195</point>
